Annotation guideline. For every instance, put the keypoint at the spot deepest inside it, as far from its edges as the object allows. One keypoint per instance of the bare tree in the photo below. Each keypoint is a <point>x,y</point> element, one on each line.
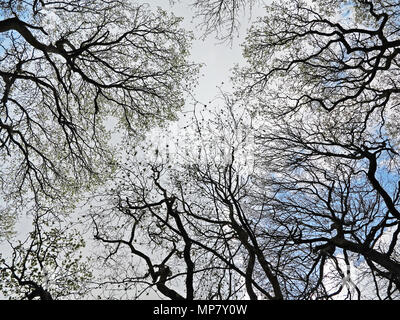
<point>196,228</point>
<point>325,78</point>
<point>222,18</point>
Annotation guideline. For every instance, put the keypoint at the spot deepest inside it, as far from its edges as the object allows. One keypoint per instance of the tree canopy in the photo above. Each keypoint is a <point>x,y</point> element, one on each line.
<point>286,186</point>
<point>67,68</point>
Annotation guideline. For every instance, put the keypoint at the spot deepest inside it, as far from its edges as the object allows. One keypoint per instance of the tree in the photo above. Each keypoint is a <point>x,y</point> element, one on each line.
<point>192,222</point>
<point>75,75</point>
<point>332,55</point>
<point>69,68</point>
<point>220,17</point>
<point>47,264</point>
<point>289,189</point>
<point>324,79</point>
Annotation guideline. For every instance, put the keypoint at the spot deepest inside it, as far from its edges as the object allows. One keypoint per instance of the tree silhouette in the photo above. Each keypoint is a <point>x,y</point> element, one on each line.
<point>287,188</point>
<point>69,67</point>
